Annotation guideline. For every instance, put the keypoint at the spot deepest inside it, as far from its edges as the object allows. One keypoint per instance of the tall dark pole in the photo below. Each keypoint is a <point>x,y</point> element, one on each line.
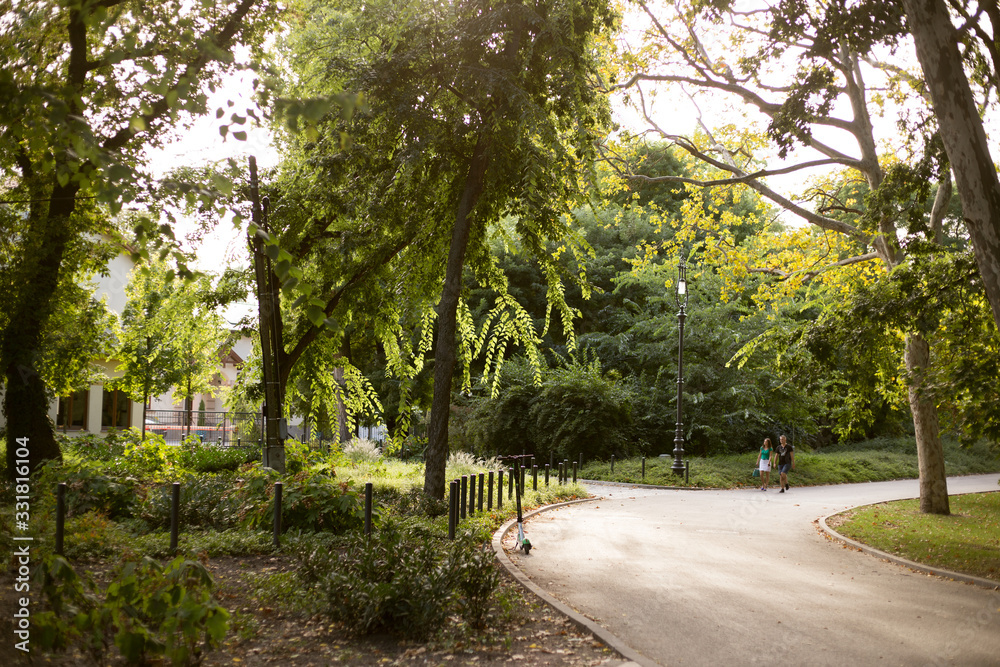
<point>270,336</point>
<point>681,296</point>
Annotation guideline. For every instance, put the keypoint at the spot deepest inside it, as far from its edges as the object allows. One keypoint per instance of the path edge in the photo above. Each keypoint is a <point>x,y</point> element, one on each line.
<point>611,640</point>
<point>899,560</point>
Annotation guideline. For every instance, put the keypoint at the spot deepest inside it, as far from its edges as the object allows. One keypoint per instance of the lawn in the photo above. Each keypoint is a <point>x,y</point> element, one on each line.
<point>967,540</point>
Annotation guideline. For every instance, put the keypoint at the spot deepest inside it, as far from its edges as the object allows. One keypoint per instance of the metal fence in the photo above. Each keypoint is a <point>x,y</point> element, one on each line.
<point>227,428</point>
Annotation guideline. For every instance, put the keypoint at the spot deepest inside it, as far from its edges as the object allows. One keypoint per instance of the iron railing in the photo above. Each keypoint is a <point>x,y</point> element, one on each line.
<point>226,428</point>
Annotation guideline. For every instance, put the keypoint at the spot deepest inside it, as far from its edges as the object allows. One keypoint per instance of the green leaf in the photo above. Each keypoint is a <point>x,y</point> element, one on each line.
<point>222,184</point>
<point>316,315</point>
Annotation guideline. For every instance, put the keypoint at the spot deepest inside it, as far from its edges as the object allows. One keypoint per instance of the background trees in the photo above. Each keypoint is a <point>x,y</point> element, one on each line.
<point>825,105</point>
<point>84,89</point>
<point>170,336</point>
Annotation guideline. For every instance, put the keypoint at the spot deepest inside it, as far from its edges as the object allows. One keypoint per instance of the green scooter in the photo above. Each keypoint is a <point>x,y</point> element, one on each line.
<point>522,542</point>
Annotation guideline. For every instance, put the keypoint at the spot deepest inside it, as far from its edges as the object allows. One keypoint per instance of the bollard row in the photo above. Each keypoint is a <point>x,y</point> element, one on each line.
<point>465,495</point>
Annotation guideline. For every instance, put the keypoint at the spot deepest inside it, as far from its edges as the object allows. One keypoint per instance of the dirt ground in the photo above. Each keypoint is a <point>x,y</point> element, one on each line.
<point>263,634</point>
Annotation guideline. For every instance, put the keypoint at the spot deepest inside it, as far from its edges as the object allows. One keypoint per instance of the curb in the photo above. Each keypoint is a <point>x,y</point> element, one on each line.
<point>912,565</point>
<point>646,486</point>
<point>578,619</point>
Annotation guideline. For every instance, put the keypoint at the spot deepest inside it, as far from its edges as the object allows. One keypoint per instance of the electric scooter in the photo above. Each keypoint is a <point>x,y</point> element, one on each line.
<point>522,542</point>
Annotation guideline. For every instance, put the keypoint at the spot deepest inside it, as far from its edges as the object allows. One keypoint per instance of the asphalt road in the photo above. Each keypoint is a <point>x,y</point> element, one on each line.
<point>746,577</point>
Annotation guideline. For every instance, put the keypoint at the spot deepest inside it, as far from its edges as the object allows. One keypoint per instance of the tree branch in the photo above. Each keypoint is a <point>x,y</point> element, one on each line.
<point>810,274</point>
<point>223,40</point>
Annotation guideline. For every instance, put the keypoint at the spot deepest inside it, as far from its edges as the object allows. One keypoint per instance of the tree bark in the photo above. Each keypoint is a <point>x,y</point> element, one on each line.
<point>445,345</point>
<point>963,135</point>
<point>26,403</point>
<point>930,452</point>
<point>343,432</point>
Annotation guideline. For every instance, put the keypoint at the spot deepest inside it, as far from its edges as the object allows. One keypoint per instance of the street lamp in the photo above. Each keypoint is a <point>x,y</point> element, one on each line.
<point>681,295</point>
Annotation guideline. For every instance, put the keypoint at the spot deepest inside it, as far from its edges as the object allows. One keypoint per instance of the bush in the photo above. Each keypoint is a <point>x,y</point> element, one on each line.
<point>576,410</point>
<point>93,447</point>
<point>213,459</point>
<point>362,450</point>
<point>413,503</point>
<point>310,501</point>
<point>88,489</point>
<point>205,501</point>
<point>147,611</point>
<point>402,580</point>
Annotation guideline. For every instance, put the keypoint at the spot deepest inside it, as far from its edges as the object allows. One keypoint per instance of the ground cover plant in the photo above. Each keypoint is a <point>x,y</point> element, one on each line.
<point>407,578</point>
<point>967,540</point>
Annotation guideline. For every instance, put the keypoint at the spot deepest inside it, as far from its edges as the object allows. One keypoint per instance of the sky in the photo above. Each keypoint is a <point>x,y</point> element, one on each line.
<point>203,144</point>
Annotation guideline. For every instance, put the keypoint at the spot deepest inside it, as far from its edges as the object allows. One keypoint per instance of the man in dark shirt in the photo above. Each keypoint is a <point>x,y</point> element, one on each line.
<point>786,462</point>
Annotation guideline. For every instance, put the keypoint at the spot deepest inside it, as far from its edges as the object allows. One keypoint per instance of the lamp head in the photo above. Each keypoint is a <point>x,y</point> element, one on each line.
<point>681,288</point>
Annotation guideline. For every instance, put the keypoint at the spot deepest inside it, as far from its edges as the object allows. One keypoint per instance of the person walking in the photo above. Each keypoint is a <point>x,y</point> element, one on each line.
<point>764,463</point>
<point>785,455</point>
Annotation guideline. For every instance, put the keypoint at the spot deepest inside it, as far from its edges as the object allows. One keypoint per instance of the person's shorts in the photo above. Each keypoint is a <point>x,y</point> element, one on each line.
<point>765,466</point>
<point>784,468</point>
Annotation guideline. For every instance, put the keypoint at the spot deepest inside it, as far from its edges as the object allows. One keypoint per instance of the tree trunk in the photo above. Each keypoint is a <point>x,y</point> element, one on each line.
<point>930,453</point>
<point>26,408</point>
<point>963,135</point>
<point>343,433</point>
<point>35,277</point>
<point>445,345</point>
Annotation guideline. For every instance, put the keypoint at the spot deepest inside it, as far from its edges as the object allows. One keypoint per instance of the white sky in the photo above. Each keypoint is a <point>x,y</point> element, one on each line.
<point>202,144</point>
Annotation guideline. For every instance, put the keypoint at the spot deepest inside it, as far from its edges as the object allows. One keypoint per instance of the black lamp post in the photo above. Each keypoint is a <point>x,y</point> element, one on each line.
<point>680,293</point>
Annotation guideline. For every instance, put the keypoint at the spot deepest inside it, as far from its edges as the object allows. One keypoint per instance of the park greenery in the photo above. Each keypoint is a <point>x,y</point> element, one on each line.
<point>466,248</point>
<point>965,542</point>
<point>463,245</point>
<point>470,146</point>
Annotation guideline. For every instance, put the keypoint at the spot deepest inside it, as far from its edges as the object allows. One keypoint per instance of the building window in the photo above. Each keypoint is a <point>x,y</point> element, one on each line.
<point>72,414</point>
<point>115,410</point>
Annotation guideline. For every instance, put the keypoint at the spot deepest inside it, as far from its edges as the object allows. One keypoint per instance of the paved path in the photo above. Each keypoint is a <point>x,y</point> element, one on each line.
<point>746,577</point>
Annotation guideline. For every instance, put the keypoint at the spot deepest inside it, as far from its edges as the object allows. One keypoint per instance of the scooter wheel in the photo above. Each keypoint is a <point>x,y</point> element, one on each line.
<point>527,547</point>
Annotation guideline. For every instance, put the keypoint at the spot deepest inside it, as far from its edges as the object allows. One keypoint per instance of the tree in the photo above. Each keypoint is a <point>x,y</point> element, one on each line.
<point>85,88</point>
<point>147,351</point>
<point>200,341</point>
<point>959,119</point>
<point>824,104</point>
<point>473,110</point>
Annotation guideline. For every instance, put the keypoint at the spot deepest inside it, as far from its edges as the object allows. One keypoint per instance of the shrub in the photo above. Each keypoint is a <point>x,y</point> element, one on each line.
<point>414,503</point>
<point>402,579</point>
<point>576,409</point>
<point>88,489</point>
<point>205,501</point>
<point>92,447</point>
<point>147,611</point>
<point>310,501</point>
<point>362,450</point>
<point>463,463</point>
<point>213,459</point>
<point>89,536</point>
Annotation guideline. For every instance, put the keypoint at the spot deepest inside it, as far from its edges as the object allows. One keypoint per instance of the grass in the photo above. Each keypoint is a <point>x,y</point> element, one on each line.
<point>967,540</point>
<point>876,460</point>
